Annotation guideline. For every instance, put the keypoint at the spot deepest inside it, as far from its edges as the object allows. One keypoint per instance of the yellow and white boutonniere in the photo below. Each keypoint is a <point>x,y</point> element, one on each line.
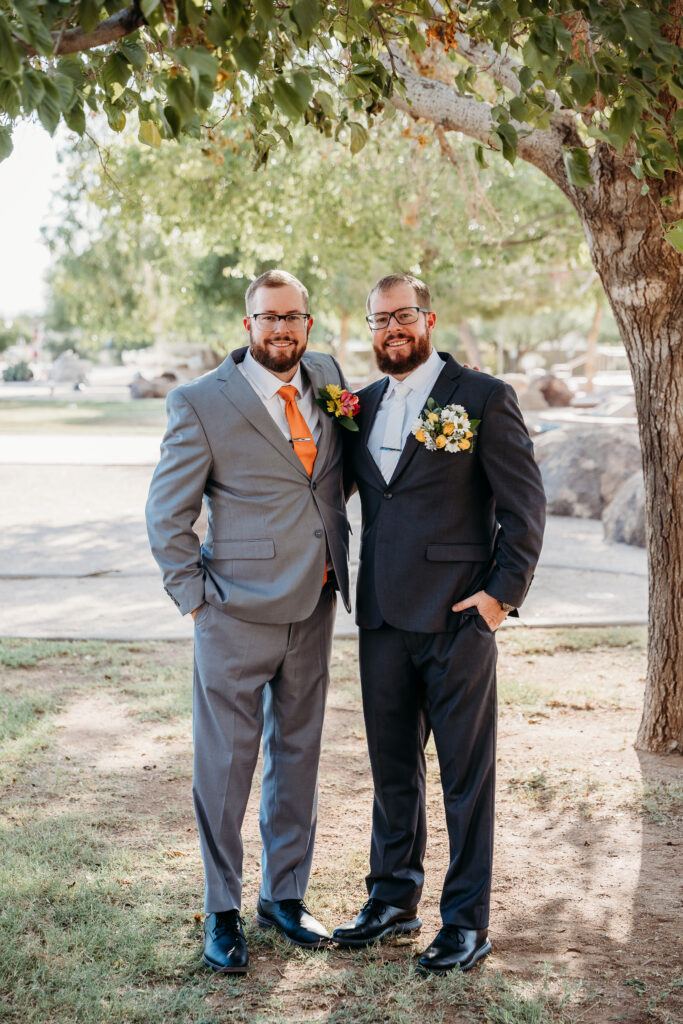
<point>449,429</point>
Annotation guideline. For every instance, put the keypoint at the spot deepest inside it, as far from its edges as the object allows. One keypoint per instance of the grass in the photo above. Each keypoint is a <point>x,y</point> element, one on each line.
<point>100,888</point>
<point>46,416</point>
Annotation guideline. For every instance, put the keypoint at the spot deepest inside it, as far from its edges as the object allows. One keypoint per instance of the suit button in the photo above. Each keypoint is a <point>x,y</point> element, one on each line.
<point>313,486</point>
<point>318,533</point>
<point>387,494</point>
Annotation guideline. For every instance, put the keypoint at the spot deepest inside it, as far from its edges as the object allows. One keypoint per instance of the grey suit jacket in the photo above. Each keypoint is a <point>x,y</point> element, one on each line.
<point>263,557</point>
<point>447,525</point>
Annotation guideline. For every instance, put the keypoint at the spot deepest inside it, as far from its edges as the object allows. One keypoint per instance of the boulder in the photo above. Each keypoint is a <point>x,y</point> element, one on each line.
<point>528,391</point>
<point>555,391</point>
<point>158,387</point>
<point>584,466</point>
<point>623,520</point>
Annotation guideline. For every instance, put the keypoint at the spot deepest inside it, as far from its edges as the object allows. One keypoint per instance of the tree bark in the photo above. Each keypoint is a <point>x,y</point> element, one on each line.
<point>642,275</point>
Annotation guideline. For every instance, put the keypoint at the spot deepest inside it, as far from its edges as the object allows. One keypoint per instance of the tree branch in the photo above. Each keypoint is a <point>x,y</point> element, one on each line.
<point>442,105</point>
<point>75,40</point>
<point>501,67</point>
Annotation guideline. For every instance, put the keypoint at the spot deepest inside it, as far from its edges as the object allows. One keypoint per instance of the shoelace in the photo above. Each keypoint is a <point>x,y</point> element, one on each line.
<point>294,904</point>
<point>374,907</point>
<point>228,921</point>
<point>452,931</point>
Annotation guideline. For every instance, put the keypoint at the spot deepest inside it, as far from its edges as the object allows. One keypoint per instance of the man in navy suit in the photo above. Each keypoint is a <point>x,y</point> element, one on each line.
<point>453,516</point>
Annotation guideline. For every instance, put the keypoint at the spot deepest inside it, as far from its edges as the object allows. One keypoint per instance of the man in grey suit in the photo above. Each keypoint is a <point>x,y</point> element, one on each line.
<point>453,515</point>
<point>249,441</point>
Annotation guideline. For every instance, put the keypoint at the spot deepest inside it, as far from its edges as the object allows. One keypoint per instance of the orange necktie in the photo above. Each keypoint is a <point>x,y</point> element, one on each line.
<point>304,445</point>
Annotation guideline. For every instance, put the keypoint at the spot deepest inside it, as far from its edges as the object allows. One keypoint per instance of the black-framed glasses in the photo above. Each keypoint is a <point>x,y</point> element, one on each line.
<point>268,321</point>
<point>404,315</point>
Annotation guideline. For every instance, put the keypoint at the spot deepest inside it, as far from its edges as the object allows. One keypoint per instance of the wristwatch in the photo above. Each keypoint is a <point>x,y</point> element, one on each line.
<point>506,607</point>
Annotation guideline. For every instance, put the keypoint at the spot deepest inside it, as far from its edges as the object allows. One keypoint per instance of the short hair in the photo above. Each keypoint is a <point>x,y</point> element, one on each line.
<point>275,279</point>
<point>422,292</point>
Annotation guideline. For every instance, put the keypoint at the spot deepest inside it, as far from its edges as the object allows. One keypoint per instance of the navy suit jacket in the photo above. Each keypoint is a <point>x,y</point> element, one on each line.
<point>447,524</point>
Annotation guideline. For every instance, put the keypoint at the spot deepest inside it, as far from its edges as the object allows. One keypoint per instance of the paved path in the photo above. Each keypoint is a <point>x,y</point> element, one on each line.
<point>74,560</point>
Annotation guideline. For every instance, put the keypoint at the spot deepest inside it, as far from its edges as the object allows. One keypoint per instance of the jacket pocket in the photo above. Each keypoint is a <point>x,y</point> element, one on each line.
<point>236,549</point>
<point>458,552</point>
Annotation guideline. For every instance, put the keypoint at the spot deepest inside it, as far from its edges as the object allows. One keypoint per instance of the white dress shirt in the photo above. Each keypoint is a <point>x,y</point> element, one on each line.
<point>266,385</point>
<point>421,382</point>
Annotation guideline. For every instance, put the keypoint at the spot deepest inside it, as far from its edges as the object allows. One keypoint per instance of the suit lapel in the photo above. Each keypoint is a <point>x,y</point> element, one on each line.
<point>328,427</point>
<point>369,405</point>
<point>445,387</point>
<point>239,392</point>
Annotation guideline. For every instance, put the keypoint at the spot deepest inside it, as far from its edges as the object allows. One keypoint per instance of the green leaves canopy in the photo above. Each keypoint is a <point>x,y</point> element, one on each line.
<point>180,65</point>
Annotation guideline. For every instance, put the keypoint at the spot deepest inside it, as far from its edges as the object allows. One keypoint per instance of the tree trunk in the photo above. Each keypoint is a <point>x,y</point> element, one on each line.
<point>642,275</point>
<point>592,344</point>
<point>470,343</point>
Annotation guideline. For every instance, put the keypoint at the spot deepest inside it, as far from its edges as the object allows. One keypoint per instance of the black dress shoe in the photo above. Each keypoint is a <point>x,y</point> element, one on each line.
<point>292,919</point>
<point>225,948</point>
<point>375,920</point>
<point>454,947</point>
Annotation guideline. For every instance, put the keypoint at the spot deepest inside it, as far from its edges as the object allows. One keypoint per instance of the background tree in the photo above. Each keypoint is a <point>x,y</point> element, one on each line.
<point>588,91</point>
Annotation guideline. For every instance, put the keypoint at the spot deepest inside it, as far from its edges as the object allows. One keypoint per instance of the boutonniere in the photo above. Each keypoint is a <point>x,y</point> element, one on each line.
<point>449,429</point>
<point>343,405</point>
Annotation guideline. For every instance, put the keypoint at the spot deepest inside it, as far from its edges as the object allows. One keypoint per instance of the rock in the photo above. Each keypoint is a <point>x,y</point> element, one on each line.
<point>68,368</point>
<point>584,466</point>
<point>528,393</point>
<point>555,391</point>
<point>158,387</point>
<point>623,520</point>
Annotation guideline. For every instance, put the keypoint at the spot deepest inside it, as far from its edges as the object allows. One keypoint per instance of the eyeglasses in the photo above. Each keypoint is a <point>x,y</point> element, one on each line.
<point>405,315</point>
<point>268,321</point>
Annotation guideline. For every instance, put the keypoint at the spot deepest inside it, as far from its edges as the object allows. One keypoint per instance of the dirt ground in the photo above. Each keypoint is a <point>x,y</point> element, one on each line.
<point>587,878</point>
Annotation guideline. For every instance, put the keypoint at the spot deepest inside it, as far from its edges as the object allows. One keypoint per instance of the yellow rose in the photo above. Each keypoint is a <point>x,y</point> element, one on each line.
<point>334,390</point>
<point>464,445</point>
<point>447,429</point>
<point>420,436</point>
<point>433,417</point>
<point>468,433</point>
<point>440,441</point>
<point>332,407</point>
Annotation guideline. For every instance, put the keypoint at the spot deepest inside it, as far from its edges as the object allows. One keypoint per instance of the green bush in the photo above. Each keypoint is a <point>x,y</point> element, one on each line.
<point>19,371</point>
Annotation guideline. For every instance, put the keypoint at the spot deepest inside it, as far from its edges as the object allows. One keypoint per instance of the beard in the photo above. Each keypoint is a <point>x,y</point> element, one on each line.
<point>417,354</point>
<point>278,361</point>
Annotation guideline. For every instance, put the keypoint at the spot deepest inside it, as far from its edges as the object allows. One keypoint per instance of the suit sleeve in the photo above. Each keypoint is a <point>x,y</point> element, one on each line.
<point>175,502</point>
<point>506,453</point>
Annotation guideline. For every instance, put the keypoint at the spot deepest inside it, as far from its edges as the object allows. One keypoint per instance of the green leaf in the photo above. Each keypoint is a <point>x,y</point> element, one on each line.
<point>303,85</point>
<point>66,89</point>
<point>115,72</point>
<point>199,58</point>
<point>479,155</point>
<point>10,98</point>
<point>248,54</point>
<point>216,28</point>
<point>48,109</point>
<point>543,36</point>
<point>288,99</point>
<point>325,101</point>
<point>359,137</point>
<point>6,146</point>
<point>508,139</point>
<point>623,121</point>
<point>34,26</point>
<point>9,53</point>
<point>306,14</point>
<point>75,118</point>
<point>583,83</point>
<point>266,8</point>
<point>638,26</point>
<point>518,108</point>
<point>134,52</point>
<point>674,235</point>
<point>32,89</point>
<point>181,99</point>
<point>577,164</point>
<point>148,7</point>
<point>149,134</point>
<point>88,15</point>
